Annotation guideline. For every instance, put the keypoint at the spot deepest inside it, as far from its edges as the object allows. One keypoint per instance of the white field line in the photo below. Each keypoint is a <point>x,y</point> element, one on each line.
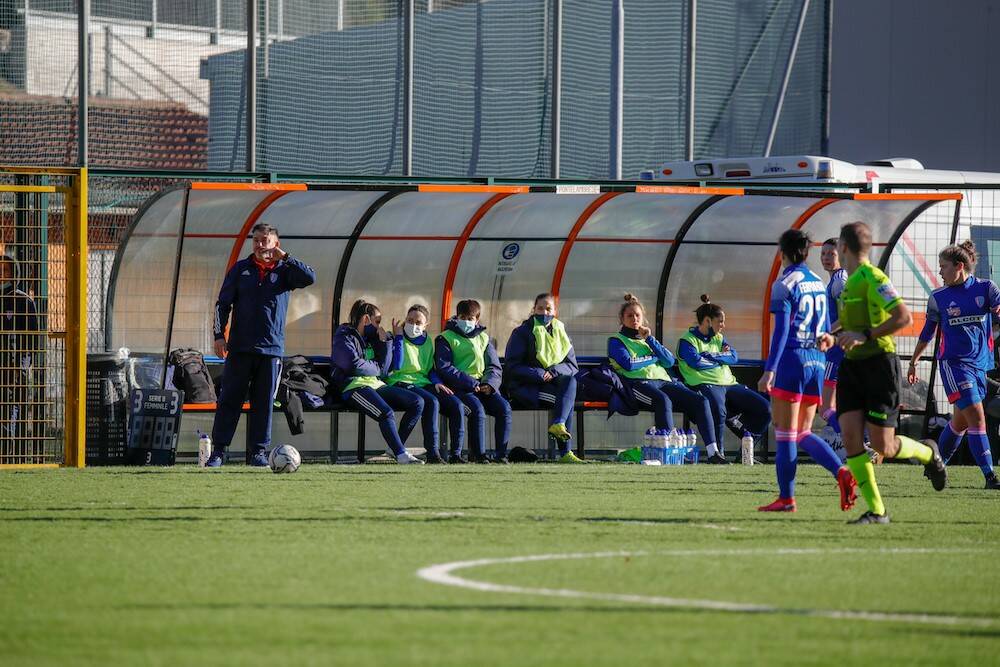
<point>443,574</point>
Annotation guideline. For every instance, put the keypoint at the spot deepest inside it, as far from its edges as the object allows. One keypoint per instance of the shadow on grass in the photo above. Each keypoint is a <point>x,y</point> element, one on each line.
<point>924,629</point>
<point>121,508</point>
<point>252,519</point>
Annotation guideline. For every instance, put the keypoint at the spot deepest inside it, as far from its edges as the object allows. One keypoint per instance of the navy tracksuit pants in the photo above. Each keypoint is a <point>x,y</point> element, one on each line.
<point>559,395</point>
<point>434,404</point>
<point>479,406</point>
<point>258,375</point>
<point>736,399</point>
<point>379,403</point>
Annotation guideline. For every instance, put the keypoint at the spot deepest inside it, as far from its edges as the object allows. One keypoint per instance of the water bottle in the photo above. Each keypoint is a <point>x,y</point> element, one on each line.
<point>746,449</point>
<point>662,442</point>
<point>676,442</point>
<point>204,448</point>
<point>647,443</point>
<point>692,442</point>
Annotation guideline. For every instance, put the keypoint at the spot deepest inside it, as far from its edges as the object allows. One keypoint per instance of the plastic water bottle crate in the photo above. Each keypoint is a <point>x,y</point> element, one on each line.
<point>671,456</point>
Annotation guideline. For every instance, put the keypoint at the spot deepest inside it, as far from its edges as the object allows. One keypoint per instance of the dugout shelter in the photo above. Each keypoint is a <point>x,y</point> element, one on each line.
<point>435,244</point>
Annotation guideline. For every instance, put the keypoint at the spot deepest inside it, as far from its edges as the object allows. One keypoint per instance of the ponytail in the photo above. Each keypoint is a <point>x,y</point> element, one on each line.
<point>964,253</point>
<point>707,309</point>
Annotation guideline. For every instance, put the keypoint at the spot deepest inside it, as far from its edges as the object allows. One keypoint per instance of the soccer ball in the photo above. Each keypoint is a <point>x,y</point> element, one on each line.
<point>284,458</point>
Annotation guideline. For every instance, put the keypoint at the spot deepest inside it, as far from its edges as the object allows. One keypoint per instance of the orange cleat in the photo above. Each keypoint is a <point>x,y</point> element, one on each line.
<point>848,488</point>
<point>779,505</point>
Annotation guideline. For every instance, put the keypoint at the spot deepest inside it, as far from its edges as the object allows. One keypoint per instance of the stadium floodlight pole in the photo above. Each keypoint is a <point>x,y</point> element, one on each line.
<point>618,70</point>
<point>692,59</point>
<point>557,7</point>
<point>803,10</point>
<point>408,88</point>
<point>251,78</point>
<point>83,81</point>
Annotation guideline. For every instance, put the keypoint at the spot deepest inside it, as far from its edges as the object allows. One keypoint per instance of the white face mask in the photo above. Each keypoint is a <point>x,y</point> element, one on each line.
<point>466,326</point>
<point>413,330</point>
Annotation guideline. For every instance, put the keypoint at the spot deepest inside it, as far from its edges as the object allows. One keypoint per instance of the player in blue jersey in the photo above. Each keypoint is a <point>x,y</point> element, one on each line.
<point>793,373</point>
<point>838,277</point>
<point>963,309</point>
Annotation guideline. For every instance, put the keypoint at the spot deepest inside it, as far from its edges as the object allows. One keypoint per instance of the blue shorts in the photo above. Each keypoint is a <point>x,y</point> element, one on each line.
<point>833,358</point>
<point>964,384</point>
<point>798,377</point>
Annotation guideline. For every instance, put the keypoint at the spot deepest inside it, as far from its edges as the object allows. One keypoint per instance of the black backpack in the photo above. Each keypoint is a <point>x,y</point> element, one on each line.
<point>190,375</point>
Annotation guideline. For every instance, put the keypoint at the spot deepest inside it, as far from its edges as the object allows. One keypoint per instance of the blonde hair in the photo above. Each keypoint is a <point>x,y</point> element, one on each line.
<point>630,300</point>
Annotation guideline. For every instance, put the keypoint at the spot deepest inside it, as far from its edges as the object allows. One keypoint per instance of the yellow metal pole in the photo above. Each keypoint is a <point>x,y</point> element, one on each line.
<point>76,321</point>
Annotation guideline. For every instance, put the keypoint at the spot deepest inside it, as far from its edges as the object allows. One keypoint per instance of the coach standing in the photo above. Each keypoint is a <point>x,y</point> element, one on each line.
<point>255,291</point>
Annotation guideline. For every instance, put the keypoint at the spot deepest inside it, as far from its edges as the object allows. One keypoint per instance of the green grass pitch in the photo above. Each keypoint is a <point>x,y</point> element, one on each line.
<point>242,567</point>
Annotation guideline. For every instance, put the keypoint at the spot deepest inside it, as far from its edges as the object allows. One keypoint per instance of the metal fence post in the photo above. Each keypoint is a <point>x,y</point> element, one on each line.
<point>251,77</point>
<point>618,88</point>
<point>83,81</point>
<point>108,57</point>
<point>153,18</point>
<point>216,35</point>
<point>788,75</point>
<point>692,60</point>
<point>557,7</point>
<point>76,318</point>
<point>408,88</point>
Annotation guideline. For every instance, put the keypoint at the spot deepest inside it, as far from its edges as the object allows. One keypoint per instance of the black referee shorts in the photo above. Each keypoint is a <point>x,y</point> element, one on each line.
<point>871,385</point>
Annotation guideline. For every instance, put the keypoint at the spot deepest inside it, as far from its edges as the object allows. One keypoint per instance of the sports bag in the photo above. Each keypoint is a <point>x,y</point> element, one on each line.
<point>190,375</point>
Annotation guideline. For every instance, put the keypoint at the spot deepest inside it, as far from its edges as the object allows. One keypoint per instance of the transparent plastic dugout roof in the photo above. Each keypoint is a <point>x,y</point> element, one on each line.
<point>501,245</point>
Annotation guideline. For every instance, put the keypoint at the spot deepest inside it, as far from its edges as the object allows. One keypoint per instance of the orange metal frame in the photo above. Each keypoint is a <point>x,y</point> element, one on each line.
<point>456,254</point>
<point>765,328</point>
<point>571,238</point>
<point>765,316</point>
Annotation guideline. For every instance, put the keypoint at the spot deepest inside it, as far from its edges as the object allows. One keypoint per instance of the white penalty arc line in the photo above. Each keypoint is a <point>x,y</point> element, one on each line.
<point>444,574</point>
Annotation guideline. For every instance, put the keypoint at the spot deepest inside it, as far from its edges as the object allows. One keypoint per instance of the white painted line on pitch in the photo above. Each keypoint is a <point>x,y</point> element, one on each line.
<point>443,574</point>
<point>660,524</point>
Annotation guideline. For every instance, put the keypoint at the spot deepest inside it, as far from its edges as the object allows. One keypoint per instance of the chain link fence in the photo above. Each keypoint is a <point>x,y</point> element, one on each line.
<point>335,90</point>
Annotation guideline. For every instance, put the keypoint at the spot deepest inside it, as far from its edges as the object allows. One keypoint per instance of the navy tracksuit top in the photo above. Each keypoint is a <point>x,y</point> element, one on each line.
<point>258,305</point>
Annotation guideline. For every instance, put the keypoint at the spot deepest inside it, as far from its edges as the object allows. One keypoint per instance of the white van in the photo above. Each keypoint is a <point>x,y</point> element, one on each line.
<point>810,168</point>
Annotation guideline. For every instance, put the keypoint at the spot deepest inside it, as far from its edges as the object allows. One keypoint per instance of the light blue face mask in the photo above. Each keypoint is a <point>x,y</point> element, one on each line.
<point>465,326</point>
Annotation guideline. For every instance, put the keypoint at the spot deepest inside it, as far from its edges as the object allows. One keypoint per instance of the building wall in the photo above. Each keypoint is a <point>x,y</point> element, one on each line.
<point>166,68</point>
<point>917,78</point>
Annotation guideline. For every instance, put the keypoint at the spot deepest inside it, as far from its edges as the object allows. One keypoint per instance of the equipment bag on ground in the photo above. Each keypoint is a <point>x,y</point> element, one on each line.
<point>190,375</point>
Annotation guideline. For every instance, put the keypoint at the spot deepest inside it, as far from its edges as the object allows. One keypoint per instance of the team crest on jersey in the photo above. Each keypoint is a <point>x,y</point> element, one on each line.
<point>274,277</point>
<point>980,301</point>
<point>953,310</point>
<point>245,273</point>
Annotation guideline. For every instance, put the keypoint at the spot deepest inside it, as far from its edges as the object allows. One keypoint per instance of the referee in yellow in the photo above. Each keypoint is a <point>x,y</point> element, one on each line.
<point>871,312</point>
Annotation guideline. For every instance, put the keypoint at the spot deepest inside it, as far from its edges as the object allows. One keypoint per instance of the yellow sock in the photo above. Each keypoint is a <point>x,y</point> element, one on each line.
<point>864,472</point>
<point>911,449</point>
